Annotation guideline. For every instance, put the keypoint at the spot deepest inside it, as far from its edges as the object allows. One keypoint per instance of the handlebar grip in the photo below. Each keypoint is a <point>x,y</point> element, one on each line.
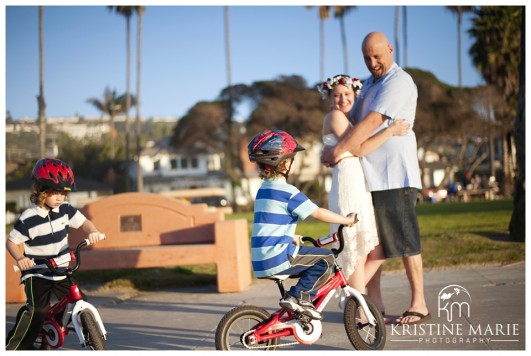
<point>15,267</point>
<point>102,237</point>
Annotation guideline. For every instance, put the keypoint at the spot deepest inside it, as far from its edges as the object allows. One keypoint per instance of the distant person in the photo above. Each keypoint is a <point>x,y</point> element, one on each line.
<point>362,254</point>
<point>43,231</point>
<point>392,170</point>
<point>275,249</point>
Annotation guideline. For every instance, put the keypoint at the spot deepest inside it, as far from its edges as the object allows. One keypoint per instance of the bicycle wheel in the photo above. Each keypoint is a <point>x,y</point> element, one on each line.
<point>91,331</point>
<point>236,323</point>
<point>362,335</point>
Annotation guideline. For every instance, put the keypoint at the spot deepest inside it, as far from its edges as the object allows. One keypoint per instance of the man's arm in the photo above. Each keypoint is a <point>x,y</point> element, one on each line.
<point>353,138</point>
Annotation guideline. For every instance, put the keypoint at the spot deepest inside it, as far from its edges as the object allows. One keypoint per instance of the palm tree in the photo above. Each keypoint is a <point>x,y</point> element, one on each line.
<point>404,30</point>
<point>111,105</point>
<point>339,13</point>
<point>517,224</point>
<point>498,54</point>
<point>397,34</point>
<point>127,12</point>
<point>40,98</point>
<point>459,10</point>
<point>140,179</point>
<point>229,143</point>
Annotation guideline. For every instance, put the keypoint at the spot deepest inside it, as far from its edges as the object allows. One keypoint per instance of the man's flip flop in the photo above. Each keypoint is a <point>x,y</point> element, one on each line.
<point>422,317</point>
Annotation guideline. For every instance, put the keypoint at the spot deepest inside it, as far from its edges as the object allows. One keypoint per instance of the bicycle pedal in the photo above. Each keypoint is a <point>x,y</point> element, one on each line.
<point>303,318</point>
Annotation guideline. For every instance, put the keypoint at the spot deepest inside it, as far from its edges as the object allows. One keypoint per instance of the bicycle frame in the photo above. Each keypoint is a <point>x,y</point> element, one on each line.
<point>69,308</point>
<point>283,323</point>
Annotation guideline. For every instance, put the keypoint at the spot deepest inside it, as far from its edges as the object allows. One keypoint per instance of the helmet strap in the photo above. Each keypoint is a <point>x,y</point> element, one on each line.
<point>286,173</point>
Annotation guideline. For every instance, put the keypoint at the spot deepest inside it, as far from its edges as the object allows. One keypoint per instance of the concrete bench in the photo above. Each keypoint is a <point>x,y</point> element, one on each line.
<point>150,230</point>
<point>482,193</point>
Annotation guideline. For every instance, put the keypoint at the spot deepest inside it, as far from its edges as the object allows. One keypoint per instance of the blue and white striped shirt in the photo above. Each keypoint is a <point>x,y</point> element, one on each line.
<point>44,234</point>
<point>277,208</point>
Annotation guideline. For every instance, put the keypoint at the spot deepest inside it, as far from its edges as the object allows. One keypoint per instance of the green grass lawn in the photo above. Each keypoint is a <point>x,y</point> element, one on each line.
<point>452,234</point>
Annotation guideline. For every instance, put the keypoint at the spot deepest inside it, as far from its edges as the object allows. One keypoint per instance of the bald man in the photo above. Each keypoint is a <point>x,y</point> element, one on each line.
<point>392,170</point>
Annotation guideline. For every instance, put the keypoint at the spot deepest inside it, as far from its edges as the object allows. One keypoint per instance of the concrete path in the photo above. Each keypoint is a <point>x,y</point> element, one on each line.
<point>492,317</point>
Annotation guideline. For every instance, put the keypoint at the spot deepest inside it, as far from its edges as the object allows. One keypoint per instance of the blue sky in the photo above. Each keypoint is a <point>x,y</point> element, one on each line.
<point>184,58</point>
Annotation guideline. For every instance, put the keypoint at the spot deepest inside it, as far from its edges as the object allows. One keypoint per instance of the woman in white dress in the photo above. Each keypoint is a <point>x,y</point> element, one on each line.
<point>362,255</point>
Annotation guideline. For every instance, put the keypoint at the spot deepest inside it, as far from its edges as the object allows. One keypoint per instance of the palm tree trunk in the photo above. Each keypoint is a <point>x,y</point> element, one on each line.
<point>344,42</point>
<point>40,98</point>
<point>460,76</point>
<point>229,144</point>
<point>113,136</point>
<point>128,98</point>
<point>517,224</point>
<point>139,174</point>
<point>321,49</point>
<point>397,34</point>
<point>404,30</point>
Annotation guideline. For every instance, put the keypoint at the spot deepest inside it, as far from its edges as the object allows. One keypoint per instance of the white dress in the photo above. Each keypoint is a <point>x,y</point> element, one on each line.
<point>349,193</point>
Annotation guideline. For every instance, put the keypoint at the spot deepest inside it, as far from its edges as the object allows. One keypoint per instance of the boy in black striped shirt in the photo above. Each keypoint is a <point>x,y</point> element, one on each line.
<point>43,231</point>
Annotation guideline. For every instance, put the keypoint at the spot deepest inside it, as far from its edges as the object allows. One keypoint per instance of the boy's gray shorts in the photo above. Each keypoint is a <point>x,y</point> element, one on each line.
<point>396,221</point>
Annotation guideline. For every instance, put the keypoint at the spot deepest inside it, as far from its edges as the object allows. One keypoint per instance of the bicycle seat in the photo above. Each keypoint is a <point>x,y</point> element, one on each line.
<point>278,277</point>
<point>282,277</point>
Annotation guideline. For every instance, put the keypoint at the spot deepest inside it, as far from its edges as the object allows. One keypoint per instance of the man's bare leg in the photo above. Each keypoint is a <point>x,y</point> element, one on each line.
<point>414,271</point>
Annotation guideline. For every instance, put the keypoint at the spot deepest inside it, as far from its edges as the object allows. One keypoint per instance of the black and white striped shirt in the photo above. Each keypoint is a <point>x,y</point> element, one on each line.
<point>44,234</point>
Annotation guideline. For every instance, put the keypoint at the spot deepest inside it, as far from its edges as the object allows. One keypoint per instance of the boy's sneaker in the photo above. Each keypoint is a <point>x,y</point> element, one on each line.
<point>309,310</point>
<point>295,305</point>
<point>290,303</point>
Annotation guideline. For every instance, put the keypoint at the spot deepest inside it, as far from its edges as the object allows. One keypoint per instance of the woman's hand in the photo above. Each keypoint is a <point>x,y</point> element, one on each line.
<point>297,240</point>
<point>399,127</point>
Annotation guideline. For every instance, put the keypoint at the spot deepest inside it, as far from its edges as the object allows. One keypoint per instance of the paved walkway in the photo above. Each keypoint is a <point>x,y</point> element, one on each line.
<point>186,319</point>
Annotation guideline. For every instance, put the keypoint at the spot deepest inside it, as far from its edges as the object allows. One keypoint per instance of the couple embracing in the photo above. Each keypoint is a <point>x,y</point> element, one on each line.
<point>370,143</point>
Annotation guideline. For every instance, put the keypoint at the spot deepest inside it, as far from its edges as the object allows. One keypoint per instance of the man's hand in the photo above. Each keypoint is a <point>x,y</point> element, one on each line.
<point>327,156</point>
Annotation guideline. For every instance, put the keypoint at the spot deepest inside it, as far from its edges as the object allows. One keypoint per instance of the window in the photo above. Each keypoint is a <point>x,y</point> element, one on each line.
<point>184,163</point>
<point>173,163</point>
<point>195,162</point>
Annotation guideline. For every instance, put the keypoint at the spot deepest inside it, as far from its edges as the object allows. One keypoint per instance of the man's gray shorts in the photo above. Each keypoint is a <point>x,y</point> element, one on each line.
<point>396,221</point>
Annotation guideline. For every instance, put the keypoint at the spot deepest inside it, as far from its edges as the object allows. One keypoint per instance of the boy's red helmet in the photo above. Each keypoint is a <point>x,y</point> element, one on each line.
<point>54,174</point>
<point>272,147</point>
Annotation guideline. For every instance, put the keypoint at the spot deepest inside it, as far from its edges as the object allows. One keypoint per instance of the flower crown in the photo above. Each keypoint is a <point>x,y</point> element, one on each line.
<point>325,87</point>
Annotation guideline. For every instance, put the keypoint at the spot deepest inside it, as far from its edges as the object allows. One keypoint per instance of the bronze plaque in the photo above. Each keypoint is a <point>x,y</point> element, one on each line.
<point>129,223</point>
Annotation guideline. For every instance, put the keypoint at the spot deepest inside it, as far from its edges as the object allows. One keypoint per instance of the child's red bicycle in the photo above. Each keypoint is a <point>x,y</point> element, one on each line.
<point>71,313</point>
<point>250,327</point>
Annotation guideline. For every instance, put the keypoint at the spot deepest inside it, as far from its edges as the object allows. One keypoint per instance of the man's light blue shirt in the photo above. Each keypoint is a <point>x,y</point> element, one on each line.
<point>394,164</point>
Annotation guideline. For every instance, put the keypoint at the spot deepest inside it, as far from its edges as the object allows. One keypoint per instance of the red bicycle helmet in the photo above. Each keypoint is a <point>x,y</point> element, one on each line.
<point>272,147</point>
<point>54,174</point>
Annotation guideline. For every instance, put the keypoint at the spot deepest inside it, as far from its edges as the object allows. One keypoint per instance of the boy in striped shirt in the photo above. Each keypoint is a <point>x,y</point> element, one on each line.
<point>43,231</point>
<point>275,249</point>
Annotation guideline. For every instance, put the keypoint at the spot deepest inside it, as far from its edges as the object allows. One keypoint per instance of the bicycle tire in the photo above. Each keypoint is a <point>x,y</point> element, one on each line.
<point>238,321</point>
<point>364,336</point>
<point>91,331</point>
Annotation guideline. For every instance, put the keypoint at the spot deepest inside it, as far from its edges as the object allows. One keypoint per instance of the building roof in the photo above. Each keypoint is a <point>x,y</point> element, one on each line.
<point>82,185</point>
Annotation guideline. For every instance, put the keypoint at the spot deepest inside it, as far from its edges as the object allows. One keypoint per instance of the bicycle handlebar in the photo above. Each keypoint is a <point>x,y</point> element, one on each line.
<point>339,237</point>
<point>52,263</point>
